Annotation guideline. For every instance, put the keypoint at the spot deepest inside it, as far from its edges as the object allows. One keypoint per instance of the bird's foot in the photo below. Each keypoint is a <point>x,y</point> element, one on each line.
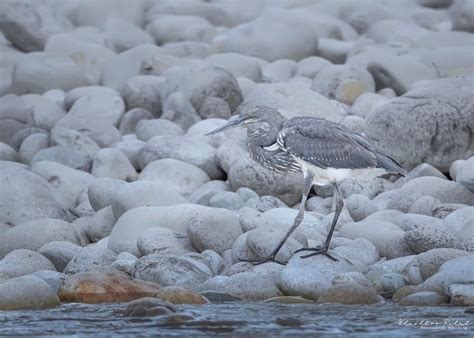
<point>319,250</point>
<point>261,261</point>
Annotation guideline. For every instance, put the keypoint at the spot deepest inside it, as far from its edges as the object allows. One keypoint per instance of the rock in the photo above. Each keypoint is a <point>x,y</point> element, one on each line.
<point>392,282</point>
<point>421,170</point>
<point>129,227</point>
<point>163,241</point>
<point>428,236</point>
<point>168,28</point>
<point>429,129</point>
<point>458,270</point>
<point>279,71</point>
<point>31,145</point>
<point>425,205</point>
<point>180,295</point>
<point>131,119</point>
<point>388,238</point>
<point>96,13</point>
<point>28,25</point>
<point>435,3</point>
<point>34,234</point>
<point>292,100</point>
<point>425,298</point>
<point>110,162</point>
<point>69,182</point>
<point>349,294</point>
<point>239,65</point>
<point>464,239</point>
<point>104,286</point>
<point>443,190</point>
<point>214,260</point>
<point>351,278</point>
<point>253,38</point>
<point>183,177</point>
<point>430,261</point>
<point>27,292</point>
<point>311,66</point>
<point>7,153</point>
<point>105,111</point>
<point>218,296</point>
<point>464,175</point>
<point>410,221</point>
<point>199,154</point>
<point>75,94</point>
<point>456,219</point>
<point>360,207</point>
<point>122,34</point>
<point>204,194</point>
<point>360,250</point>
<point>102,191</point>
<point>54,279</point>
<point>143,193</point>
<point>100,224</point>
<point>252,285</point>
<point>130,147</point>
<point>143,92</point>
<point>226,199</point>
<point>365,103</point>
<point>39,72</point>
<point>187,49</point>
<point>198,131</point>
<point>145,307</point>
<point>354,123</point>
<point>178,108</point>
<point>22,262</point>
<point>146,129</point>
<point>171,271</point>
<point>216,232</point>
<point>59,253</point>
<point>92,257</point>
<point>342,82</point>
<point>214,107</point>
<point>311,276</point>
<point>461,295</point>
<point>462,16</point>
<point>46,114</point>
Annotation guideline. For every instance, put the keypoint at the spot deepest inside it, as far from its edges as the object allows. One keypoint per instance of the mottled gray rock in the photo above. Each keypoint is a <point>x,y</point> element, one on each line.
<point>239,65</point>
<point>23,262</point>
<point>214,260</point>
<point>425,205</point>
<point>461,14</point>
<point>226,199</point>
<point>216,232</point>
<point>464,238</point>
<point>54,279</point>
<point>146,129</point>
<point>91,257</point>
<point>143,92</point>
<point>122,34</point>
<point>185,178</point>
<point>456,219</point>
<point>29,24</point>
<point>130,146</point>
<point>359,207</point>
<point>351,293</point>
<point>171,271</point>
<point>279,71</point>
<point>465,174</point>
<point>143,193</point>
<point>410,221</point>
<point>421,116</point>
<point>75,94</point>
<point>204,194</point>
<point>197,153</point>
<point>27,292</point>
<point>110,162</point>
<point>360,250</point>
<point>59,253</point>
<point>421,238</point>
<point>263,240</point>
<point>95,13</point>
<point>430,261</point>
<point>421,170</point>
<point>198,131</point>
<point>7,153</point>
<point>365,103</point>
<point>461,294</point>
<point>31,145</point>
<point>130,120</point>
<point>424,298</point>
<point>214,107</point>
<point>391,282</point>
<point>169,28</point>
<point>163,241</point>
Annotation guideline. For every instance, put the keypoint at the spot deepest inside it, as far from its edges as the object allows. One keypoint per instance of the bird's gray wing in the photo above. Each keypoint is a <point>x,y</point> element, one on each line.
<point>325,144</point>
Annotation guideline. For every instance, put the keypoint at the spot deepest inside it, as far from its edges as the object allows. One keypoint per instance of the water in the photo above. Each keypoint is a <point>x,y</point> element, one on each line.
<point>243,319</point>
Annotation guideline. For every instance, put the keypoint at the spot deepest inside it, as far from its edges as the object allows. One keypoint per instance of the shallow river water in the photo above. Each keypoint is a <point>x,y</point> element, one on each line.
<point>243,319</point>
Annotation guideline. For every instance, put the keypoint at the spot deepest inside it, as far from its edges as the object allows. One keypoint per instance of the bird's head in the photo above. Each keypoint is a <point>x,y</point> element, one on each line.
<point>248,117</point>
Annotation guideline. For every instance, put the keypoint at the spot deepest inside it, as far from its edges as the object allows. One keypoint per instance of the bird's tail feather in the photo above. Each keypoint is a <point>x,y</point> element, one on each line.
<point>389,164</point>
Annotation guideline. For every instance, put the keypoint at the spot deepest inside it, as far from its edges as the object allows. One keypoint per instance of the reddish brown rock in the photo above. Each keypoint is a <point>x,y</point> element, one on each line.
<point>180,295</point>
<point>104,287</point>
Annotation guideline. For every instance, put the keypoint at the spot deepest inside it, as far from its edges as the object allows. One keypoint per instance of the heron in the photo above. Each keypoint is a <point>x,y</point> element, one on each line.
<point>324,151</point>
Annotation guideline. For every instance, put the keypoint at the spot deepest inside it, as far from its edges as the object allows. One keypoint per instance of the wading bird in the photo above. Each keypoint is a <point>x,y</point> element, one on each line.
<point>324,151</point>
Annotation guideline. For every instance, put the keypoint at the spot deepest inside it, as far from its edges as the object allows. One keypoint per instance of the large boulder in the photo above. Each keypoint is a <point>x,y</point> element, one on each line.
<point>26,196</point>
<point>23,262</point>
<point>432,124</point>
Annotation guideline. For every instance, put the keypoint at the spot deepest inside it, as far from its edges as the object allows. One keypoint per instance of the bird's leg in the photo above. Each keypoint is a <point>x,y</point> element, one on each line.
<point>323,250</point>
<point>308,183</point>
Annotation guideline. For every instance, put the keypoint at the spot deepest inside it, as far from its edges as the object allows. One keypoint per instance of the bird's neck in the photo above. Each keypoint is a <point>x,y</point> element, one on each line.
<point>264,134</point>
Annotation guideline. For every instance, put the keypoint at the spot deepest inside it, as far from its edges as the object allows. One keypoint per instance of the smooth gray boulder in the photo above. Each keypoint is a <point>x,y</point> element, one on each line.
<point>59,253</point>
<point>23,262</point>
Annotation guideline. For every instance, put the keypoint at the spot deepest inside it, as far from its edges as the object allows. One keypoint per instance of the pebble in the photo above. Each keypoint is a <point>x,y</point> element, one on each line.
<point>91,257</point>
<point>59,253</point>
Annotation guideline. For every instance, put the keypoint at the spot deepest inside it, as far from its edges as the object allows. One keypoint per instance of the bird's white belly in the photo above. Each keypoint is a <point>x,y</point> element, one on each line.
<point>328,175</point>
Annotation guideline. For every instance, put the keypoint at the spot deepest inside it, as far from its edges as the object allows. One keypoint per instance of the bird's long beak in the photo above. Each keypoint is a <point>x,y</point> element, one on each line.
<point>233,122</point>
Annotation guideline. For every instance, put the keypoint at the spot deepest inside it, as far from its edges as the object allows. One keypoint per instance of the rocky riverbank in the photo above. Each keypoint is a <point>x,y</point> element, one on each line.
<point>110,191</point>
